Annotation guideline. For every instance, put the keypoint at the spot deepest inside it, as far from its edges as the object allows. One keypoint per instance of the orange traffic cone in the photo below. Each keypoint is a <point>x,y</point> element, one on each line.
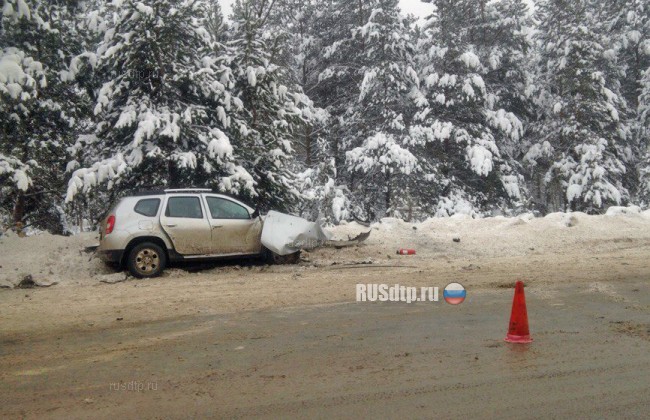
<point>518,328</point>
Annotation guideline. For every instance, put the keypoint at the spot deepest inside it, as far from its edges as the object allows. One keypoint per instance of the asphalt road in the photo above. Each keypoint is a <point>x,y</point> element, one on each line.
<point>590,359</point>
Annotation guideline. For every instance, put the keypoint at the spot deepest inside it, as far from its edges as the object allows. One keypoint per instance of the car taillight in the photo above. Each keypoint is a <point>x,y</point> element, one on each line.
<point>110,224</point>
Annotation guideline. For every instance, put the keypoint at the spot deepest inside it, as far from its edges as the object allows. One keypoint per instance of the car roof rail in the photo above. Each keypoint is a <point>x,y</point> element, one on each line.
<point>147,192</point>
<point>185,190</point>
<point>171,191</point>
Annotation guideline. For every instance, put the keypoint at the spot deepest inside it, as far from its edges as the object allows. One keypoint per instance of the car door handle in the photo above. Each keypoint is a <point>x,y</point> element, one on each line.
<point>217,226</point>
<point>171,225</point>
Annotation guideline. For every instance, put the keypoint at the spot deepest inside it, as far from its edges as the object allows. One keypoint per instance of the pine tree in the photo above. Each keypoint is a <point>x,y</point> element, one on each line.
<point>165,112</point>
<point>341,72</point>
<point>298,30</point>
<point>644,139</point>
<point>581,151</point>
<point>628,22</point>
<point>276,111</point>
<point>295,33</point>
<point>39,113</point>
<point>471,83</point>
<point>215,22</point>
<point>379,157</point>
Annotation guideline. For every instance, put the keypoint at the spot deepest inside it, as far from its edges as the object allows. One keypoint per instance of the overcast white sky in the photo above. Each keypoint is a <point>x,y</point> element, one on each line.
<point>415,7</point>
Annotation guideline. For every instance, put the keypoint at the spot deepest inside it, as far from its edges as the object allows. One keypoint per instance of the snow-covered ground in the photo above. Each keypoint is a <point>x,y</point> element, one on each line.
<point>502,236</point>
<point>49,259</point>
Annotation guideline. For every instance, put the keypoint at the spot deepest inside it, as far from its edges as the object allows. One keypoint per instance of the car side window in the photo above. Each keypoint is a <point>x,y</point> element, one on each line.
<point>220,208</point>
<point>147,207</point>
<point>186,207</point>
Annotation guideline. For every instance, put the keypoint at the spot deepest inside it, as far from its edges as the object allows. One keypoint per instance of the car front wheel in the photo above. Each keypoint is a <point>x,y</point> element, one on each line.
<point>273,258</point>
<point>146,260</point>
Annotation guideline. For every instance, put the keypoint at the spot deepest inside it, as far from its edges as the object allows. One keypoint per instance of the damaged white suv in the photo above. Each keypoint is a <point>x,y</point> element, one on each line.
<point>146,231</point>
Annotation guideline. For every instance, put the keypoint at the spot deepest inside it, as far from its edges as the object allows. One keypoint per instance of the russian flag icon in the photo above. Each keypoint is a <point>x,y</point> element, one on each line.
<point>454,293</point>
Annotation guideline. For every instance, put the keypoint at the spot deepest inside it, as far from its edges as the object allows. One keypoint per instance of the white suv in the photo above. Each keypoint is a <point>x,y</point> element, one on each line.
<point>146,231</point>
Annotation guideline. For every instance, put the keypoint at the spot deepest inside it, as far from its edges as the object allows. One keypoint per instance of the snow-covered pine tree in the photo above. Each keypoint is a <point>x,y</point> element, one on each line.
<point>215,21</point>
<point>581,152</point>
<point>628,22</point>
<point>503,38</point>
<point>39,113</point>
<point>644,139</point>
<point>299,28</point>
<point>342,61</point>
<point>165,112</point>
<point>329,65</point>
<point>465,125</point>
<point>295,29</point>
<point>295,32</point>
<point>380,162</point>
<point>276,110</point>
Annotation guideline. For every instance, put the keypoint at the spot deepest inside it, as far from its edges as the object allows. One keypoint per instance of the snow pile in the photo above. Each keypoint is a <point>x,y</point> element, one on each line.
<point>499,237</point>
<point>618,210</point>
<point>49,259</point>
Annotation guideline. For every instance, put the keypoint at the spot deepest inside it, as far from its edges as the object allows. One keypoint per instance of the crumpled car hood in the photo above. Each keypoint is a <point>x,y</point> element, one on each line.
<point>285,234</point>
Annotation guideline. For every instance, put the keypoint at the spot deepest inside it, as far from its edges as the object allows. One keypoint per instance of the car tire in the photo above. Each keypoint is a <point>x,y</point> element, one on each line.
<point>273,258</point>
<point>146,260</point>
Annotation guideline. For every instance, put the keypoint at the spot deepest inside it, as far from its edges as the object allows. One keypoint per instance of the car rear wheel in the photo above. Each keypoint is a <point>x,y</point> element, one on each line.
<point>146,260</point>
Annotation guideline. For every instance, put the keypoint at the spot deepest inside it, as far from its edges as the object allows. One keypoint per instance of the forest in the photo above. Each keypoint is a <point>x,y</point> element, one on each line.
<point>329,109</point>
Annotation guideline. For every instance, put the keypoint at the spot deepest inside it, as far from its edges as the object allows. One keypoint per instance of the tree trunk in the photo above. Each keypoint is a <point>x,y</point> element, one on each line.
<point>172,175</point>
<point>19,212</point>
<point>388,195</point>
<point>308,145</point>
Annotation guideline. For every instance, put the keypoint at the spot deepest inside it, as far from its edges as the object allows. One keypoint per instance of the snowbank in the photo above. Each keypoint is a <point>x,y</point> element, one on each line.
<point>617,210</point>
<point>48,258</point>
<point>464,237</point>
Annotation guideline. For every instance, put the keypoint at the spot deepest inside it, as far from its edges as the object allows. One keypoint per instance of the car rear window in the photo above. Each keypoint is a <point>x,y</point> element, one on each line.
<point>186,207</point>
<point>147,207</point>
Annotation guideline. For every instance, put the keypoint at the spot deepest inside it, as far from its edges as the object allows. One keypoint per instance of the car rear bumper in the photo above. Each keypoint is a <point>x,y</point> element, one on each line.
<point>111,255</point>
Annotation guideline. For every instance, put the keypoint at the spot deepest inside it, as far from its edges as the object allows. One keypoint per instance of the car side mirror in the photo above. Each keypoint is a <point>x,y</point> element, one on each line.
<point>255,214</point>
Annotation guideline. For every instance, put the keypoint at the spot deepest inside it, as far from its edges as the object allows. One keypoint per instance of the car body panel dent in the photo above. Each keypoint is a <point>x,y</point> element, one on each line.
<point>284,234</point>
